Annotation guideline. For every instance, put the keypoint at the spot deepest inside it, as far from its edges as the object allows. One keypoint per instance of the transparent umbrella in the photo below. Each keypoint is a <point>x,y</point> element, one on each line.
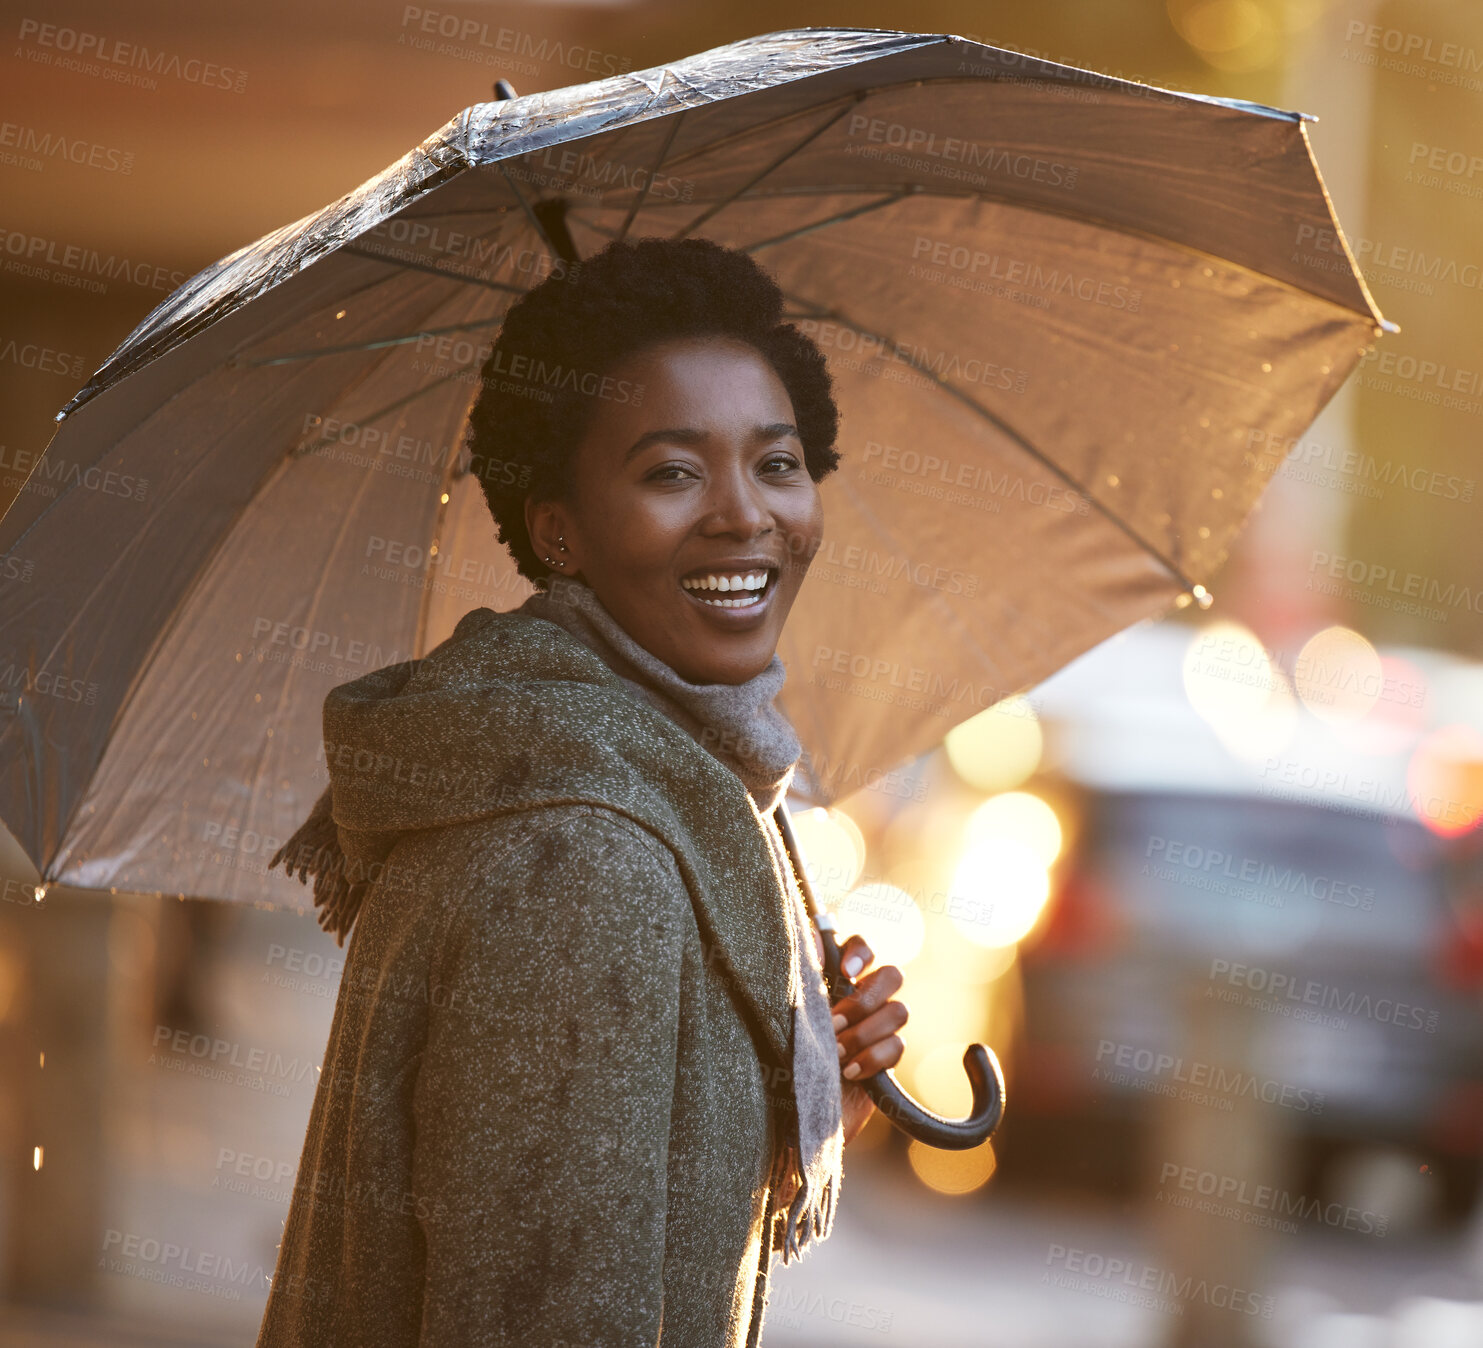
<point>1060,310</point>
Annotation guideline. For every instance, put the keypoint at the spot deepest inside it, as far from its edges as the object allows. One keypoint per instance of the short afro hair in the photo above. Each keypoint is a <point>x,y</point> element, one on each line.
<point>542,380</point>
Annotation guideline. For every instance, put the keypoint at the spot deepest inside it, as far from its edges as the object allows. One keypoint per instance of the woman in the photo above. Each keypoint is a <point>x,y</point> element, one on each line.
<point>583,1079</point>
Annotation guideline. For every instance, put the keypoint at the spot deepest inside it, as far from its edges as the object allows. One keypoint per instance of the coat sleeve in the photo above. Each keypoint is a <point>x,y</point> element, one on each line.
<point>542,1108</point>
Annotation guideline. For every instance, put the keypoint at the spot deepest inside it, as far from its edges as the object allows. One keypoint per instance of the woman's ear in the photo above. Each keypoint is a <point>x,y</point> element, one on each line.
<point>549,526</point>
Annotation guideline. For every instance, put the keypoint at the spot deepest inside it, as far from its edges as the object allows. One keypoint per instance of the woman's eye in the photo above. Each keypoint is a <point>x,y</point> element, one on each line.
<point>786,462</point>
<point>663,474</point>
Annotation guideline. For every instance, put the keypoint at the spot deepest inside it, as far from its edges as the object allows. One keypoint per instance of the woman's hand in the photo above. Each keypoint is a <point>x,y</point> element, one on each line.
<point>865,1025</point>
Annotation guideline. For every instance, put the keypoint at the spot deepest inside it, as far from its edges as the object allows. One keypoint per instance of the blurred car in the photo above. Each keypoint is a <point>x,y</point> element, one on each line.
<point>1269,920</point>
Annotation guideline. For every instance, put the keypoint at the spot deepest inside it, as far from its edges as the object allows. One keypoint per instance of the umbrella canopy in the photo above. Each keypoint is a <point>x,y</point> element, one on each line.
<point>1064,313</point>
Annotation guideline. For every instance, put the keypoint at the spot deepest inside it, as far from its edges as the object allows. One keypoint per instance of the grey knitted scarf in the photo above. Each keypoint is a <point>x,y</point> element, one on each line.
<point>739,725</point>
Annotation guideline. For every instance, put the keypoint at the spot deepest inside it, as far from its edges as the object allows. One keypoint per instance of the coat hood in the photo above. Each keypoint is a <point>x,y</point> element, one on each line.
<point>513,713</point>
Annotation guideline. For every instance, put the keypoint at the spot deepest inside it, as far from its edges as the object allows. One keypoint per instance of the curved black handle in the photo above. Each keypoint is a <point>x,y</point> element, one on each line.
<point>985,1076</point>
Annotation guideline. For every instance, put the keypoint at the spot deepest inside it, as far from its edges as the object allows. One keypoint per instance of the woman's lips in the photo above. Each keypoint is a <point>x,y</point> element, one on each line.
<point>737,592</point>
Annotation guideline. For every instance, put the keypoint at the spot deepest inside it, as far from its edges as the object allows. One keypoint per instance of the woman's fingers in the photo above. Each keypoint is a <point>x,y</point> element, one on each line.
<point>855,955</point>
<point>876,1029</point>
<point>880,1055</point>
<point>871,993</point>
<point>865,1022</point>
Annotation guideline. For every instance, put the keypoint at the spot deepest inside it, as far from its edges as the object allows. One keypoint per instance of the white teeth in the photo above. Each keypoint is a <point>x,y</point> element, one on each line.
<point>753,581</point>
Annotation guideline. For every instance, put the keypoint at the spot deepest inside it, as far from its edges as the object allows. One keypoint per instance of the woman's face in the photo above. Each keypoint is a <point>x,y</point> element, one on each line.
<point>684,503</point>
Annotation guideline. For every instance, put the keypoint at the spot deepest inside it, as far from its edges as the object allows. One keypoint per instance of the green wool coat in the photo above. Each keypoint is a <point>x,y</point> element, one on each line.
<point>556,1081</point>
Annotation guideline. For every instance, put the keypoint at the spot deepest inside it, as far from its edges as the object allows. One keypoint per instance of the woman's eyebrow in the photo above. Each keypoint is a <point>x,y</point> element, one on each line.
<point>686,435</point>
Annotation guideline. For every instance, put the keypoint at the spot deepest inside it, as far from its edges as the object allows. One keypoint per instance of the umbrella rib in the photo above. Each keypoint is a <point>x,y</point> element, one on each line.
<point>642,194</point>
<point>1039,208</point>
<point>830,220</point>
<point>535,221</point>
<point>377,345</point>
<point>775,164</point>
<point>503,286</point>
<point>370,418</point>
<point>750,131</point>
<point>890,343</point>
<point>167,626</point>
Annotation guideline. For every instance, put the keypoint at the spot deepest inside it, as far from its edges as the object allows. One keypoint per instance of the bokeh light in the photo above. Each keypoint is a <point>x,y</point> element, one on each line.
<point>952,1172</point>
<point>1338,675</point>
<point>887,917</point>
<point>1445,779</point>
<point>999,748</point>
<point>833,851</point>
<point>1236,688</point>
<point>999,890</point>
<point>1018,814</point>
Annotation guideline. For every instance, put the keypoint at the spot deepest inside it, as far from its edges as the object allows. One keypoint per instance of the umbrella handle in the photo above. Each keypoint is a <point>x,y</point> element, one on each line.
<point>985,1077</point>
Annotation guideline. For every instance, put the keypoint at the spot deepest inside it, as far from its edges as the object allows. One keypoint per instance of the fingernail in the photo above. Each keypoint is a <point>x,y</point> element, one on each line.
<point>852,1071</point>
<point>840,1023</point>
<point>840,1047</point>
<point>852,965</point>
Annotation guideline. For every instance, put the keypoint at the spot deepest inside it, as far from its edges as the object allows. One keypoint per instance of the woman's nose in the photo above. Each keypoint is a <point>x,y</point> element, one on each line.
<point>735,504</point>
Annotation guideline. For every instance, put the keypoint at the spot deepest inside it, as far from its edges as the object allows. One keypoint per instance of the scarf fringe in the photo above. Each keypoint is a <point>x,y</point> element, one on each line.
<point>810,1215</point>
<point>314,850</point>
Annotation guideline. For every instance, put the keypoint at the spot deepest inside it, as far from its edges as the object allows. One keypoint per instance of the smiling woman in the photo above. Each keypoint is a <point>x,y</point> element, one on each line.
<point>621,1093</point>
<point>681,488</point>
